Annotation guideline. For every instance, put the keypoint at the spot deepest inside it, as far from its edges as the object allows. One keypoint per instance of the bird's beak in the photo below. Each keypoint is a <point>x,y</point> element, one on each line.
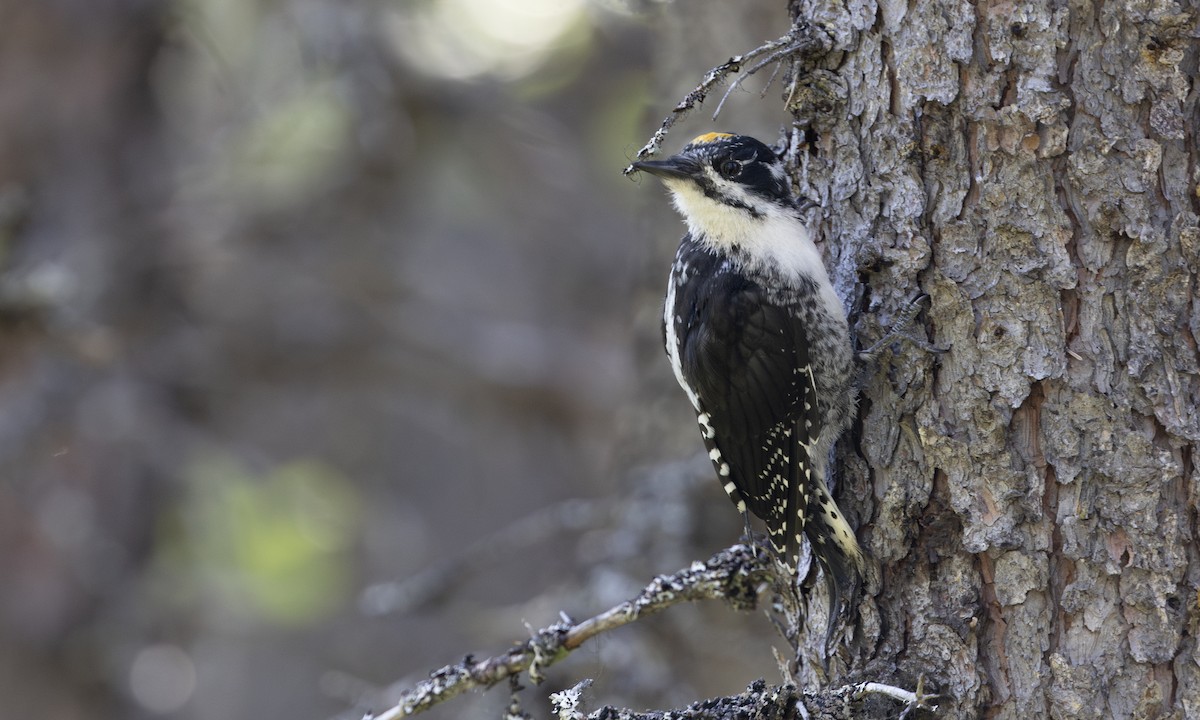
<point>676,167</point>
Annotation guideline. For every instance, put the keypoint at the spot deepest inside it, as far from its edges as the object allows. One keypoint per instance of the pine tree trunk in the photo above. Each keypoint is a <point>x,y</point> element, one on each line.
<point>1029,494</point>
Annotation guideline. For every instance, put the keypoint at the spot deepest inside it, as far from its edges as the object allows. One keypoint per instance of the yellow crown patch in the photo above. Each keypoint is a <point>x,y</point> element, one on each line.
<point>709,137</point>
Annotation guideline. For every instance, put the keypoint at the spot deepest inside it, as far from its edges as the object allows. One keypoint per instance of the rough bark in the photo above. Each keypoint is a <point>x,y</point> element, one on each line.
<point>1029,494</point>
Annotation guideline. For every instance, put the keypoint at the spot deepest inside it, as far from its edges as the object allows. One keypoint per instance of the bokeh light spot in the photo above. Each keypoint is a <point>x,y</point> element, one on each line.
<point>461,39</point>
<point>162,678</point>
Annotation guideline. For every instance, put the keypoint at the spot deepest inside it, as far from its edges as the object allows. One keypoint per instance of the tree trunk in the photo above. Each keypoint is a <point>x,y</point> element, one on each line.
<point>1028,495</point>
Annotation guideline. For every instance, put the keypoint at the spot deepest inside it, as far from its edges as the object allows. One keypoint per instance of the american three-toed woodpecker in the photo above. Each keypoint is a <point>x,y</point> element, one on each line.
<point>758,339</point>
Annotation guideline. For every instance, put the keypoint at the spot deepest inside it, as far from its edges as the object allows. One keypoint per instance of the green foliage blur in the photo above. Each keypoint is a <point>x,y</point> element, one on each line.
<point>275,547</point>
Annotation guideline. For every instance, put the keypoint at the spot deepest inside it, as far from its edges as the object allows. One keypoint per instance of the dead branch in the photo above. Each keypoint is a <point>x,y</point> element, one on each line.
<point>433,583</point>
<point>803,40</point>
<point>737,575</point>
<point>762,701</point>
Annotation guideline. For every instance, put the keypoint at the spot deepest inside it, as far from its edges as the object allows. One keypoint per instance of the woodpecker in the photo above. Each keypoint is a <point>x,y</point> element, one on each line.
<point>759,341</point>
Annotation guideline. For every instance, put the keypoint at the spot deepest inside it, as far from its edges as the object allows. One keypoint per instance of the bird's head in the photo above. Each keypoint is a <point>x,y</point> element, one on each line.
<point>724,185</point>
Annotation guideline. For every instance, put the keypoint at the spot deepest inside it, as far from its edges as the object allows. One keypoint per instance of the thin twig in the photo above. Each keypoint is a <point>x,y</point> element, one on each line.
<point>776,56</point>
<point>427,586</point>
<point>803,38</point>
<point>918,700</point>
<point>735,574</point>
<point>769,83</point>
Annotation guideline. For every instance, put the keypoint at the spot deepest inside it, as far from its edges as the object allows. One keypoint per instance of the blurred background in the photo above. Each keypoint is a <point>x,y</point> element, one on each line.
<point>329,351</point>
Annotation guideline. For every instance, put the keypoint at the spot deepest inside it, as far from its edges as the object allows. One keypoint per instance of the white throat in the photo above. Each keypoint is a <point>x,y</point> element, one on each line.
<point>775,240</point>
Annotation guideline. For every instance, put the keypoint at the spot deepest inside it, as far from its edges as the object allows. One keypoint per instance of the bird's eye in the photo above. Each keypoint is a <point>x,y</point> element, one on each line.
<point>731,169</point>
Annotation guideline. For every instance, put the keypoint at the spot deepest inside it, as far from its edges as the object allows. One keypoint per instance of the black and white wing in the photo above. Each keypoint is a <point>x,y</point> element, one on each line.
<point>745,362</point>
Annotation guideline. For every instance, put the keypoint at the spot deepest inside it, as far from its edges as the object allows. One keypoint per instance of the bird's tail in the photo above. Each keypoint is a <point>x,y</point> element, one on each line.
<point>836,548</point>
